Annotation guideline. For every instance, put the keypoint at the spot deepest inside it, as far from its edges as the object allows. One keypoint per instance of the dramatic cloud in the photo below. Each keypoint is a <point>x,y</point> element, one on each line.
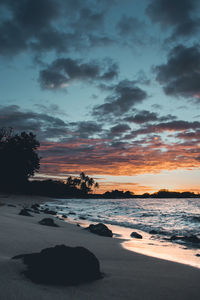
<point>62,71</point>
<point>124,96</point>
<point>68,148</point>
<point>96,156</point>
<point>180,76</point>
<point>43,25</point>
<point>180,15</point>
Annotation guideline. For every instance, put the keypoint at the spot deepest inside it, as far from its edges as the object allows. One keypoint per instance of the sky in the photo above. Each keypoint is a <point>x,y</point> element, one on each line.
<point>109,87</point>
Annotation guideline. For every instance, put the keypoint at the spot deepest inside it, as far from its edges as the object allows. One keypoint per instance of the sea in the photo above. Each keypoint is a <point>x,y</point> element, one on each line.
<point>157,220</point>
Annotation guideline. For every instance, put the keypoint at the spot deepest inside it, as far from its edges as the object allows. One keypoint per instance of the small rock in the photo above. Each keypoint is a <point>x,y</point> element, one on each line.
<point>136,235</point>
<point>11,205</point>
<point>100,229</point>
<point>48,222</point>
<point>82,218</point>
<point>198,254</point>
<point>64,216</point>
<point>25,212</point>
<point>50,212</point>
<point>61,265</point>
<point>71,213</point>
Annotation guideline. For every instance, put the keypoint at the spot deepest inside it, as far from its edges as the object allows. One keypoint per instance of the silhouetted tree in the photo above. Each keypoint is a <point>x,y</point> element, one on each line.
<point>84,183</point>
<point>18,158</point>
<point>116,194</point>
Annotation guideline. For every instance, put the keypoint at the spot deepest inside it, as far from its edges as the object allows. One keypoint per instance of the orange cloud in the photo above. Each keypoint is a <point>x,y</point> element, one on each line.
<point>95,156</point>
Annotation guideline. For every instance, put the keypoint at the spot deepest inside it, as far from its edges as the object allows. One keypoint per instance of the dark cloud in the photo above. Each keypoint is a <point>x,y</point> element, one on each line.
<point>180,76</point>
<point>27,23</point>
<point>132,30</point>
<point>194,135</point>
<point>124,96</point>
<point>118,130</point>
<point>179,15</point>
<point>85,129</point>
<point>44,125</point>
<point>88,20</point>
<point>142,117</point>
<point>64,70</point>
<point>146,116</point>
<point>43,25</point>
<point>177,125</point>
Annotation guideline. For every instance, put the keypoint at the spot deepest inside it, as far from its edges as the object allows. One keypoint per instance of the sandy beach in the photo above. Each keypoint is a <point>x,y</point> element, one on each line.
<point>127,275</point>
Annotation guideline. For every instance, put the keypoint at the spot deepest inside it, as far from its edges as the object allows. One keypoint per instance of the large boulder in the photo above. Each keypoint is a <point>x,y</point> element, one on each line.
<point>61,265</point>
<point>48,222</point>
<point>136,235</point>
<point>100,229</point>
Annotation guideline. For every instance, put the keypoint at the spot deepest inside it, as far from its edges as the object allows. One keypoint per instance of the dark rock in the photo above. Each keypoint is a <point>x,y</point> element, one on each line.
<point>136,235</point>
<point>11,205</point>
<point>78,225</point>
<point>25,212</point>
<point>48,222</point>
<point>100,229</point>
<point>71,213</point>
<point>153,232</point>
<point>61,265</point>
<point>82,218</point>
<point>188,239</point>
<point>35,206</point>
<point>198,254</point>
<point>196,219</point>
<point>64,216</point>
<point>50,212</point>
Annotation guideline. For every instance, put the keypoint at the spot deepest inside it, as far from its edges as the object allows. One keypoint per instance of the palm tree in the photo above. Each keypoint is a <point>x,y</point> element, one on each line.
<point>85,183</point>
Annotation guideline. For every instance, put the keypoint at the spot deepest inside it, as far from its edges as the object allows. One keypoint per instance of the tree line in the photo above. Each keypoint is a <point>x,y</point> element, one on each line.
<point>19,161</point>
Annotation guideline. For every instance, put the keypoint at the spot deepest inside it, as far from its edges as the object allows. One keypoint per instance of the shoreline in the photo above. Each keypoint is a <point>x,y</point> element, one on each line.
<point>150,247</point>
<point>128,274</point>
<point>153,245</point>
